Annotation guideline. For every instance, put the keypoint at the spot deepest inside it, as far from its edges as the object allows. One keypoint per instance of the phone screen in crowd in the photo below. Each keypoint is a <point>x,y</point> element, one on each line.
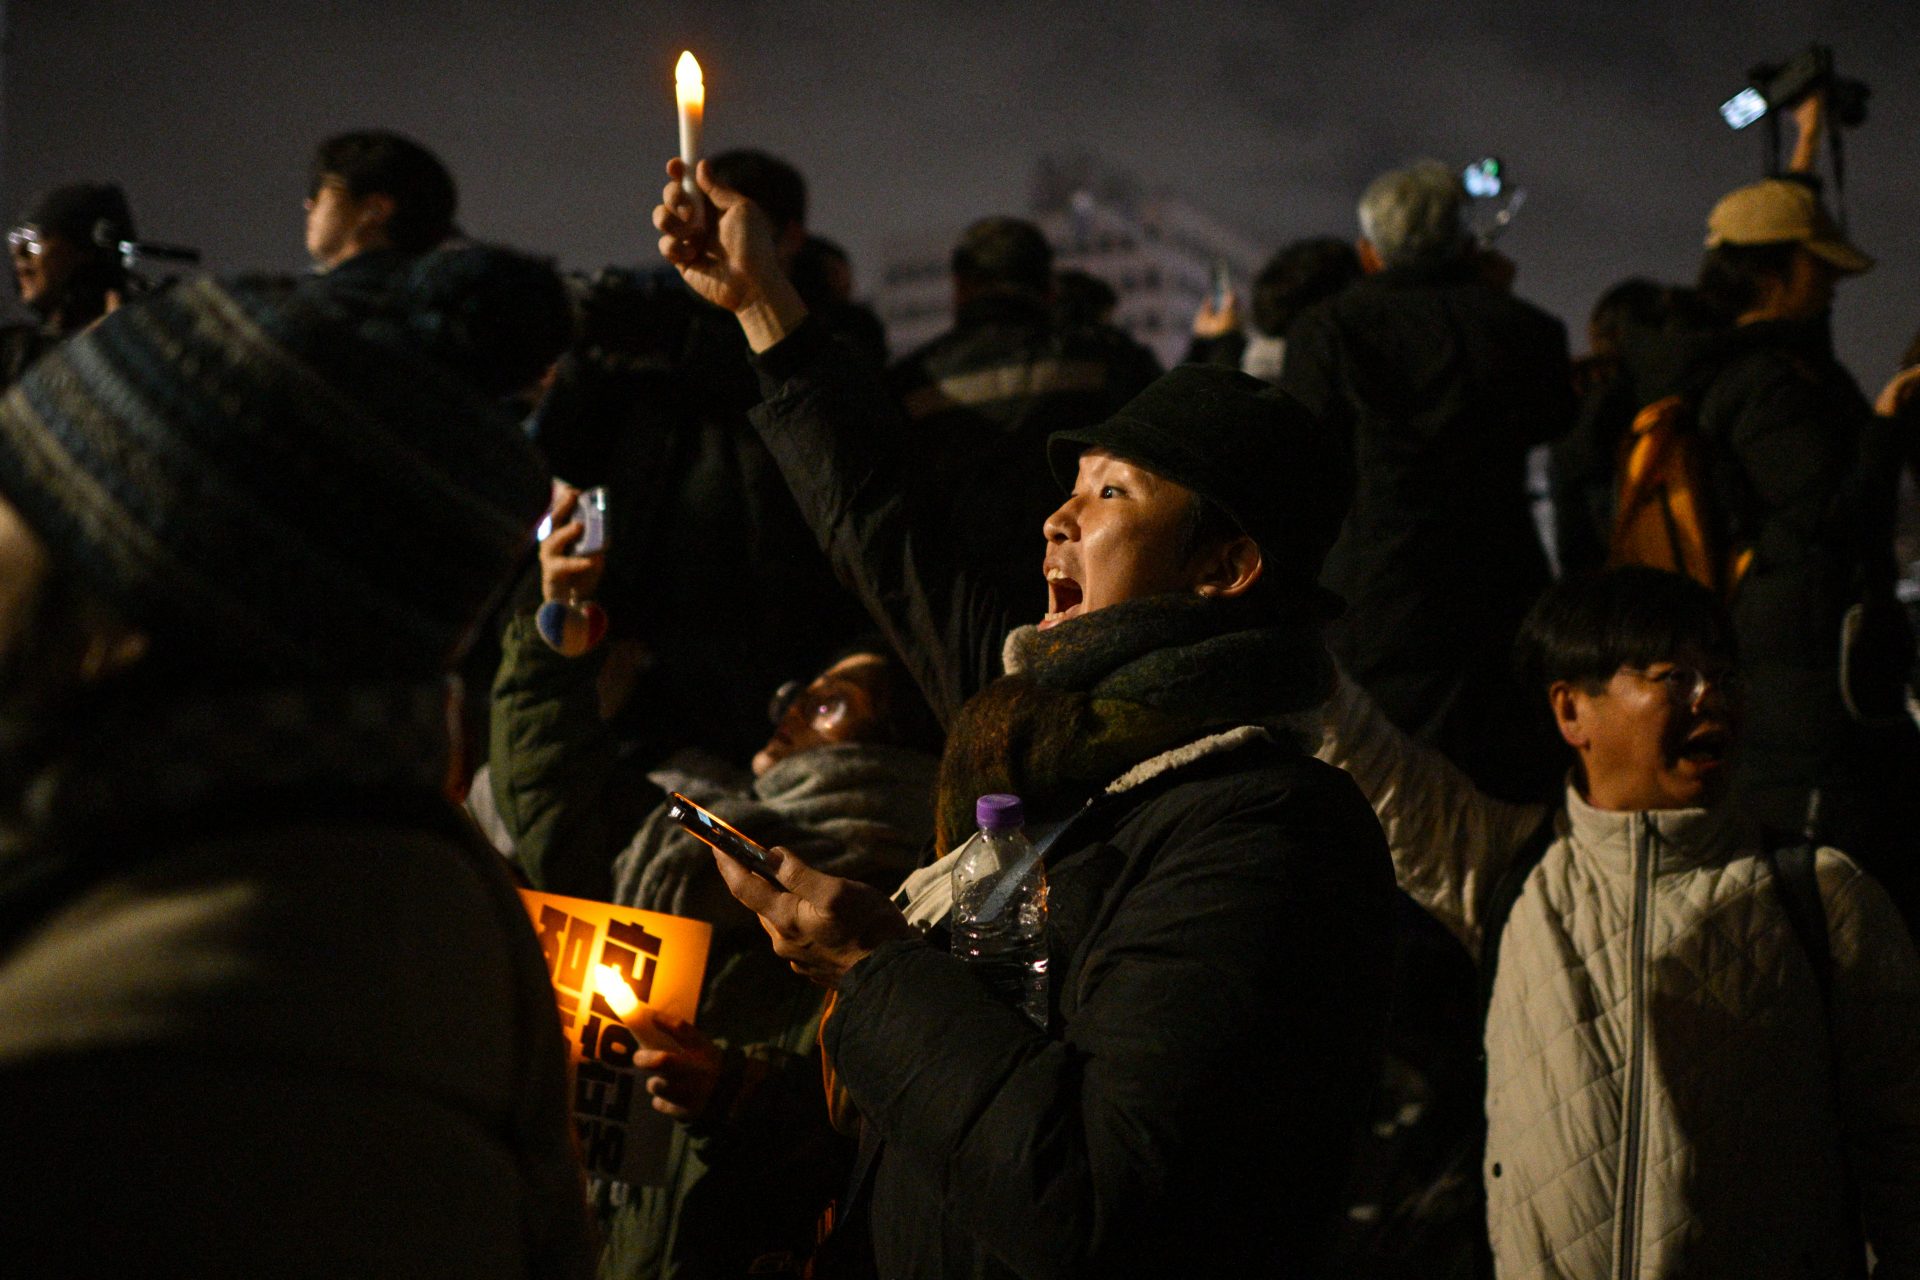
<point>706,826</point>
<point>591,512</point>
<point>1482,178</point>
<point>1743,108</point>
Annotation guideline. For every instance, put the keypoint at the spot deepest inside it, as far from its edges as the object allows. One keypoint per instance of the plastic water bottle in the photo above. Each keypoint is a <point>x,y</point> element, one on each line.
<point>1000,907</point>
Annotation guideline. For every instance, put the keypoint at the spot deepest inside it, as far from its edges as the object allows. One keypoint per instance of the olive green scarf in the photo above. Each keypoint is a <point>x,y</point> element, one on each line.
<point>1089,699</point>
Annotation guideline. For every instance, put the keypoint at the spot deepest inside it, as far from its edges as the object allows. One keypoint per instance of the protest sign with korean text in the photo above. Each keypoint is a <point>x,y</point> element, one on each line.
<point>612,967</point>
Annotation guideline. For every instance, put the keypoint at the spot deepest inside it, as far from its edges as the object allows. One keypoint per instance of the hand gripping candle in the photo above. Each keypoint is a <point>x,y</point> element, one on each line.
<point>691,91</point>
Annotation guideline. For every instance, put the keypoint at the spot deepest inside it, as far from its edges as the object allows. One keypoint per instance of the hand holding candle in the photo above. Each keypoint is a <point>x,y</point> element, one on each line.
<point>691,92</point>
<point>725,251</point>
<point>683,1075</point>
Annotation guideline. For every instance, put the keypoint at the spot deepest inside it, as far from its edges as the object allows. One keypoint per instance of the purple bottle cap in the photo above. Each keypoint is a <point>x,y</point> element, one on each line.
<point>999,812</point>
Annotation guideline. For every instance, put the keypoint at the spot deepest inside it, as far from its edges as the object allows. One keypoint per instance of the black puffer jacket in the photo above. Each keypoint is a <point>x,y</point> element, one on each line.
<point>1218,940</point>
<point>1804,475</point>
<point>1441,384</point>
<point>981,400</point>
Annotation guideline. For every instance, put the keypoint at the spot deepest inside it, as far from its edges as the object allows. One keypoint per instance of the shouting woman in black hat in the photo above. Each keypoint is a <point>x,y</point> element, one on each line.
<point>1187,1108</point>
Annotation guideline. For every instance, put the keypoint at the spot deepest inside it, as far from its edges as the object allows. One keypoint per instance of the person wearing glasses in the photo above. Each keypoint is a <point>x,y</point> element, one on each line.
<point>64,275</point>
<point>846,777</point>
<point>1702,1052</point>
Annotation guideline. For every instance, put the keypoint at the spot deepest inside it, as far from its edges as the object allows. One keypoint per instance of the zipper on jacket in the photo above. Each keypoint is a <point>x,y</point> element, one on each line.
<point>1626,1263</point>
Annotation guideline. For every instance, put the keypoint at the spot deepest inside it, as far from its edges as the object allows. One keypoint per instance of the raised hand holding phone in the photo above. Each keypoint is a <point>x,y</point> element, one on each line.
<point>569,620</point>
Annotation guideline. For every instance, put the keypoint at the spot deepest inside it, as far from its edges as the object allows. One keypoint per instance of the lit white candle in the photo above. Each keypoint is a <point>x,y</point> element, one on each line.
<point>613,988</point>
<point>691,91</point>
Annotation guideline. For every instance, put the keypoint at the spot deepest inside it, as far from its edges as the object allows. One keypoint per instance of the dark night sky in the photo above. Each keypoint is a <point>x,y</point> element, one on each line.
<point>555,115</point>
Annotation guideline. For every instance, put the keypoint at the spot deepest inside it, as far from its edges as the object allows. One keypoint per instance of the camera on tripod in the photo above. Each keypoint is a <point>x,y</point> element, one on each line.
<point>1773,87</point>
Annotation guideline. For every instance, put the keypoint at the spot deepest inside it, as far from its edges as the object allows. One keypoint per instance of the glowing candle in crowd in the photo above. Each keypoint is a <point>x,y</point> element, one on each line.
<point>691,91</point>
<point>614,990</point>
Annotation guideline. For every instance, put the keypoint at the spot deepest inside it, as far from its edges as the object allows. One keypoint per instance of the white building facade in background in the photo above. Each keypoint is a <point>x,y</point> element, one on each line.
<point>1155,250</point>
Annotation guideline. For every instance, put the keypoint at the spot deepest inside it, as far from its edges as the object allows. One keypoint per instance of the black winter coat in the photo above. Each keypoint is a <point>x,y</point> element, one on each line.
<point>268,1006</point>
<point>1440,384</point>
<point>1219,945</point>
<point>1804,475</point>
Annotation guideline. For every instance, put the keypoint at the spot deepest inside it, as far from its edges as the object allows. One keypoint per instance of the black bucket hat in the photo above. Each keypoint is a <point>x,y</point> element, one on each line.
<point>1250,449</point>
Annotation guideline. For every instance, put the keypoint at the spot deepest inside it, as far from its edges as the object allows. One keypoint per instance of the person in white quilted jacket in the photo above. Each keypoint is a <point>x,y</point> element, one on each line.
<point>1673,1090</point>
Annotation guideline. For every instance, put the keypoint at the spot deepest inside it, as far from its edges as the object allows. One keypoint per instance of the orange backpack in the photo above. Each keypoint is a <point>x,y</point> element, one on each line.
<point>1663,514</point>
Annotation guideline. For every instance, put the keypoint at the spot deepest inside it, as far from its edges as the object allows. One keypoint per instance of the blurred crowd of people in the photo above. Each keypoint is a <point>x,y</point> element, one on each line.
<point>1420,903</point>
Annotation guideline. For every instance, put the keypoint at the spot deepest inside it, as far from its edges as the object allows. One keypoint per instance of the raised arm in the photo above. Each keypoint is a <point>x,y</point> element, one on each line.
<point>835,432</point>
<point>563,791</point>
<point>1450,842</point>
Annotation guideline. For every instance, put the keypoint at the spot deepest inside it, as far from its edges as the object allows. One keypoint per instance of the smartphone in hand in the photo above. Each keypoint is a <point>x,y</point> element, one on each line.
<point>591,512</point>
<point>708,827</point>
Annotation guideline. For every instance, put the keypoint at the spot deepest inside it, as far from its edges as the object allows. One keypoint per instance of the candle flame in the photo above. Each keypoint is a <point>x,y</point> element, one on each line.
<point>687,78</point>
<point>614,990</point>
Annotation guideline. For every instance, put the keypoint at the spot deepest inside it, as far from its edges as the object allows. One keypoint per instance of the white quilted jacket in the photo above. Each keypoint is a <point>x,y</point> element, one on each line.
<point>1661,1096</point>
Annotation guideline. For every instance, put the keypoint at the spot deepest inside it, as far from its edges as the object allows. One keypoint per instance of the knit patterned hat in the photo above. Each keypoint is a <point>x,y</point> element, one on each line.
<point>287,486</point>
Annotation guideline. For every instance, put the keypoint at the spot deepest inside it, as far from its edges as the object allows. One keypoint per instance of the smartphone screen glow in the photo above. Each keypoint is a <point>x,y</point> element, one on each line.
<point>1743,108</point>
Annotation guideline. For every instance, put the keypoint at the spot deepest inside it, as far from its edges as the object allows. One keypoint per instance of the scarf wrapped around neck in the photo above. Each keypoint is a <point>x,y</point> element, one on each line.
<point>1085,701</point>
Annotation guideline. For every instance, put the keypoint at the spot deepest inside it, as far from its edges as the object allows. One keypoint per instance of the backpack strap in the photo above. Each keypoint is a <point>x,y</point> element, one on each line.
<point>1499,903</point>
<point>1792,869</point>
<point>1793,880</point>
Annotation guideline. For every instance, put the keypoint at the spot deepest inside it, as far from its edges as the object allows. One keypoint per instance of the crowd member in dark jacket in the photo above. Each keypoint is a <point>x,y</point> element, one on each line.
<point>981,399</point>
<point>65,277</point>
<point>375,201</point>
<point>1188,1107</point>
<point>1581,465</point>
<point>1439,382</point>
<point>709,566</point>
<point>266,1006</point>
<point>823,274</point>
<point>1300,276</point>
<point>1081,298</point>
<point>1803,477</point>
<point>847,779</point>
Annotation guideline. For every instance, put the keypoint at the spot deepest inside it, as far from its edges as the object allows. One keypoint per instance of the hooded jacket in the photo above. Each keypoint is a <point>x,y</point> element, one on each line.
<point>1662,1095</point>
<point>1189,1109</point>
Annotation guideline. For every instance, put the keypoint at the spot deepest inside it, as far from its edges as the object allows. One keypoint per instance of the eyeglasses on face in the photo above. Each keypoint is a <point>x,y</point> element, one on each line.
<point>823,711</point>
<point>27,240</point>
<point>1685,686</point>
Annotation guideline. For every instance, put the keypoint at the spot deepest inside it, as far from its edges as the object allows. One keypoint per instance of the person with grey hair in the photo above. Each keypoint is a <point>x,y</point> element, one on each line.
<point>1439,381</point>
<point>1416,214</point>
